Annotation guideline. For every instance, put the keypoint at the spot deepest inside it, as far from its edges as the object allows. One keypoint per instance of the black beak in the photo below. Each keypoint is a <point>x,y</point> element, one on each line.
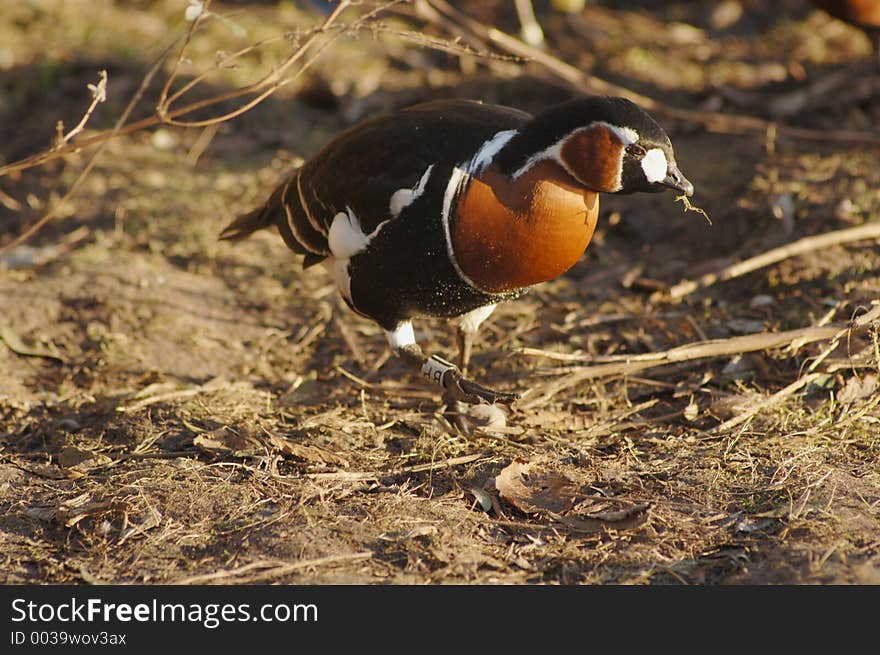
<point>675,180</point>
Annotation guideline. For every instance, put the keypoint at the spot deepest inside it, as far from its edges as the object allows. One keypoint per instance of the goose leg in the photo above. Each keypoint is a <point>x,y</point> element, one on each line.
<point>459,391</point>
<point>457,388</point>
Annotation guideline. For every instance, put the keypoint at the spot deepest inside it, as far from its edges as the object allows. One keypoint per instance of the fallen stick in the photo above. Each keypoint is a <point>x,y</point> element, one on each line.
<point>161,398</point>
<point>803,381</point>
<point>789,250</point>
<point>699,349</point>
<point>447,463</point>
<point>269,570</point>
<point>629,364</point>
<point>414,468</point>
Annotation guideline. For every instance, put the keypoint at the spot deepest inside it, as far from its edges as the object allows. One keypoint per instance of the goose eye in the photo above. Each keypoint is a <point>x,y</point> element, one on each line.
<point>636,150</point>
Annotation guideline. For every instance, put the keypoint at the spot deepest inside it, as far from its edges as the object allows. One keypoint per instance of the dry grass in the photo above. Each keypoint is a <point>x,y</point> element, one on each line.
<point>183,410</point>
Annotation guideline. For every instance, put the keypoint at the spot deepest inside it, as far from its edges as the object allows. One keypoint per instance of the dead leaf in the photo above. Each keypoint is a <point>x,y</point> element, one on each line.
<point>859,388</point>
<point>483,498</point>
<point>623,519</point>
<point>151,520</point>
<point>534,491</point>
<point>305,452</point>
<point>225,440</point>
<point>82,461</point>
<point>70,512</point>
<point>16,344</point>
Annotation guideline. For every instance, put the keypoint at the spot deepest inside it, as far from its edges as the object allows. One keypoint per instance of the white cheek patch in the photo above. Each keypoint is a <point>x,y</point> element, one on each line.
<point>655,165</point>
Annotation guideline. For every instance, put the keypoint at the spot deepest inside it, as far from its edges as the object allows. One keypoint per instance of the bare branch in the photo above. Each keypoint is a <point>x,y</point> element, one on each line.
<point>586,83</point>
<point>270,83</point>
<point>628,365</point>
<point>99,95</point>
<point>50,215</point>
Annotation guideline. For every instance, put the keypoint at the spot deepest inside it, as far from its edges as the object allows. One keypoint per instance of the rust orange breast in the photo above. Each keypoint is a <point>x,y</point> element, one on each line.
<point>864,13</point>
<point>506,236</point>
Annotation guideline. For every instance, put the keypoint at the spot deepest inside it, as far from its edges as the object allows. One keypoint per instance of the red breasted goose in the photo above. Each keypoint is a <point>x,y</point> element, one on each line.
<point>447,208</point>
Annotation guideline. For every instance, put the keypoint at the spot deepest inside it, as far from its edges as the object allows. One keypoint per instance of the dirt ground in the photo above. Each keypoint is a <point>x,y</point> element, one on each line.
<point>175,409</point>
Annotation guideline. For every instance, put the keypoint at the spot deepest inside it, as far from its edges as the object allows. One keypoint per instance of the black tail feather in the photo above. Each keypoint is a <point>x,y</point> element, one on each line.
<point>278,211</point>
<point>246,224</point>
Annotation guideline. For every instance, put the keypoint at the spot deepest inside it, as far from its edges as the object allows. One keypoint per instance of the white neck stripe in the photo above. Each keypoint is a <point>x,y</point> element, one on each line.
<point>488,150</point>
<point>457,181</point>
<point>626,136</point>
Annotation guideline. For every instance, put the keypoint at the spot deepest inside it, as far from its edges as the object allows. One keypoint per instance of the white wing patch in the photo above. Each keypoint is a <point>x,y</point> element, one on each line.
<point>655,166</point>
<point>291,222</point>
<point>346,239</point>
<point>302,201</point>
<point>403,198</point>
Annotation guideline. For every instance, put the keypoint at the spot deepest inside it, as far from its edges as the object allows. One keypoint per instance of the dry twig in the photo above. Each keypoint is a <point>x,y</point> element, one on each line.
<point>62,148</point>
<point>165,113</point>
<point>415,468</point>
<point>864,321</point>
<point>627,365</point>
<point>802,246</point>
<point>268,570</point>
<point>586,83</point>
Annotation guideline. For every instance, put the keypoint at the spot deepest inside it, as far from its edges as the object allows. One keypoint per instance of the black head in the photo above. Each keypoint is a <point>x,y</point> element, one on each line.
<point>649,162</point>
<point>608,144</point>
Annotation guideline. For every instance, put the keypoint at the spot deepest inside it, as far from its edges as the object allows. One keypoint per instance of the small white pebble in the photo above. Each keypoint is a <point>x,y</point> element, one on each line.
<point>164,139</point>
<point>761,300</point>
<point>488,416</point>
<point>845,210</point>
